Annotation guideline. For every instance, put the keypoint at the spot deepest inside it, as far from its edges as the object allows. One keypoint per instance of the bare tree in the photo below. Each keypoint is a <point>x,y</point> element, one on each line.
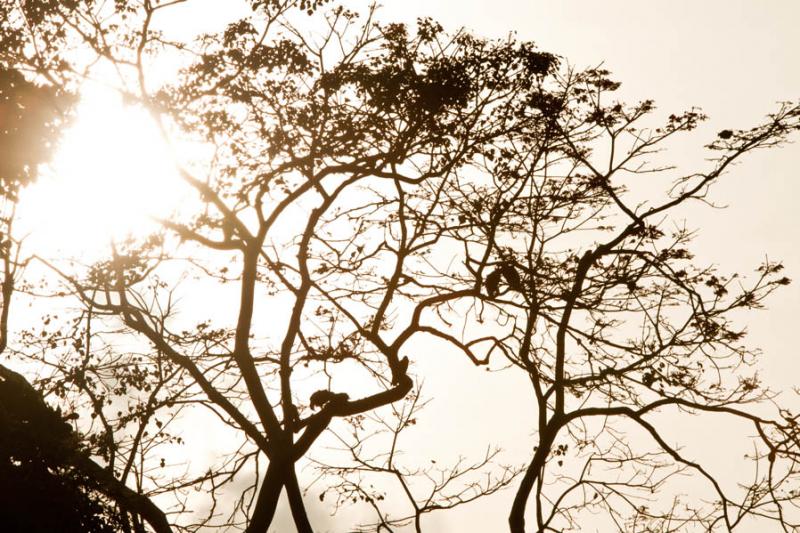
<point>324,149</point>
<point>359,185</point>
<point>372,469</point>
<point>574,258</point>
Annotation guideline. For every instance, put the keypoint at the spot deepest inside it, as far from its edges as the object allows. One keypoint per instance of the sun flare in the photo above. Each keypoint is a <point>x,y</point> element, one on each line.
<point>111,175</point>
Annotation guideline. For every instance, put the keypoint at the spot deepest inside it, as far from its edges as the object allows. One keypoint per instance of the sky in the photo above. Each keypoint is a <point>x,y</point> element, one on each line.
<point>735,59</point>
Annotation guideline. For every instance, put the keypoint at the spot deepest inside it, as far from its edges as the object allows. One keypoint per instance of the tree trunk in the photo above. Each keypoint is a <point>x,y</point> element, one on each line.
<point>267,500</point>
<point>296,502</point>
<point>134,502</point>
<point>516,519</point>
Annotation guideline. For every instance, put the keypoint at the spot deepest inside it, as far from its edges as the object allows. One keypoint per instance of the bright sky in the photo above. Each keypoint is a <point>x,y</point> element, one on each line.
<point>733,58</point>
<point>110,176</point>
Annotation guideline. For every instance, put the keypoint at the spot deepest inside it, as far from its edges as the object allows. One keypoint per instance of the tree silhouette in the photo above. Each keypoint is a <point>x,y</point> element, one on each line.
<point>49,482</point>
<point>598,301</point>
<point>360,186</point>
<point>368,473</point>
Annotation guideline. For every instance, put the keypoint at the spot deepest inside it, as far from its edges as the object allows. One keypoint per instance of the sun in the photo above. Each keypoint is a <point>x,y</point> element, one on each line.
<point>111,176</point>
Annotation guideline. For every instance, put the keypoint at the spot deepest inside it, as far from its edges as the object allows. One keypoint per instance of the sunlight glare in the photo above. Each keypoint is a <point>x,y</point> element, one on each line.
<point>111,175</point>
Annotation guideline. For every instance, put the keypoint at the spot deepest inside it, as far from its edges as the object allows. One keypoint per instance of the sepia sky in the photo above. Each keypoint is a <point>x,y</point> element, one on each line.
<point>734,59</point>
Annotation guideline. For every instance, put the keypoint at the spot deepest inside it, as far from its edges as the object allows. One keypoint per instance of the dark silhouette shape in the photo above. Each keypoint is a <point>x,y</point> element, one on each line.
<point>507,273</point>
<point>512,277</point>
<point>41,490</point>
<point>493,283</point>
<point>38,446</point>
<point>400,371</point>
<point>321,398</point>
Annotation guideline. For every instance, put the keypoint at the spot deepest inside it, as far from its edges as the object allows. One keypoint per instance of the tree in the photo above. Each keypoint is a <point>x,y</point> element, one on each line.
<point>360,186</point>
<point>399,490</point>
<point>50,481</point>
<point>363,133</point>
<point>597,299</point>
